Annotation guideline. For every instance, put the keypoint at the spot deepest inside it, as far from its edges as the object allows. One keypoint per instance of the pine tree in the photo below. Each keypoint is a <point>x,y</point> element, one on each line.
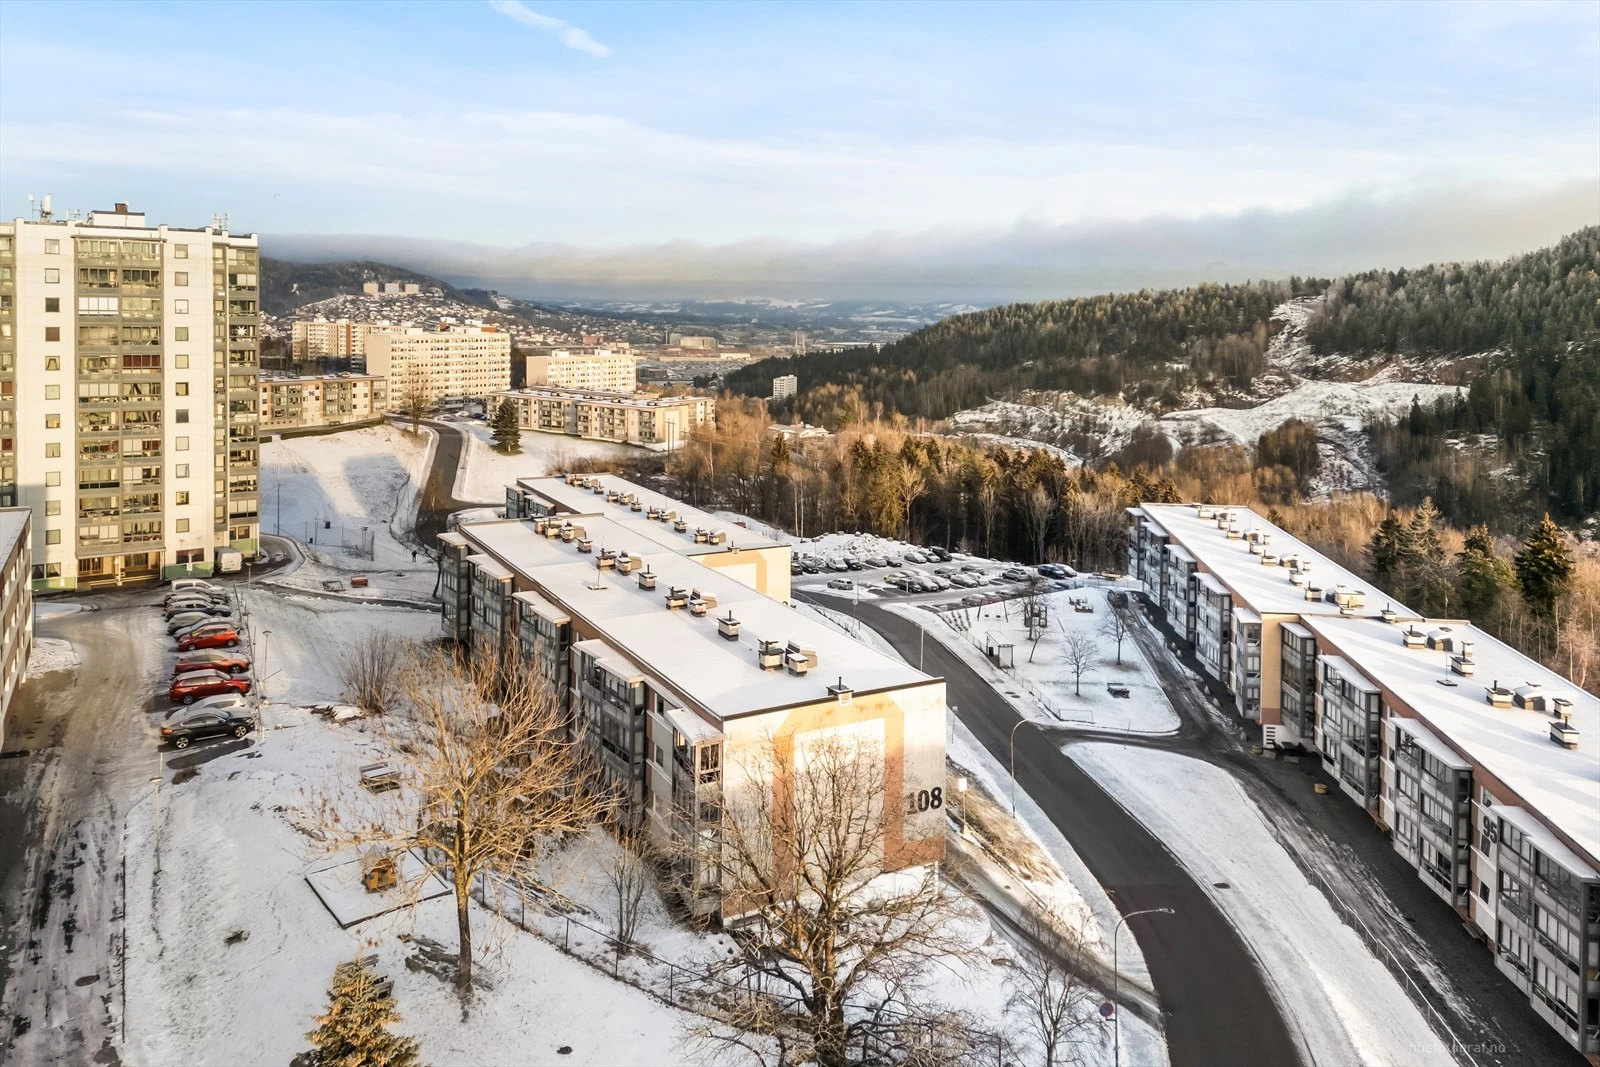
<point>1544,567</point>
<point>355,1030</point>
<point>1387,549</point>
<point>507,436</point>
<point>1422,573</point>
<point>1482,575</point>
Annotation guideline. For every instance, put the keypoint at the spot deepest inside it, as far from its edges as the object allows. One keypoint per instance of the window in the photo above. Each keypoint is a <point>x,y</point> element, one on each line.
<point>52,303</point>
<point>183,525</point>
<point>52,450</point>
<point>181,415</point>
<point>52,507</point>
<point>180,389</point>
<point>181,498</point>
<point>181,470</point>
<point>52,276</point>
<point>52,246</point>
<point>181,445</point>
<point>52,537</point>
<point>180,251</point>
<point>180,362</point>
<point>52,333</point>
<point>52,363</point>
<point>180,333</point>
<point>52,422</point>
<point>180,307</point>
<point>181,278</point>
<point>52,477</point>
<point>52,392</point>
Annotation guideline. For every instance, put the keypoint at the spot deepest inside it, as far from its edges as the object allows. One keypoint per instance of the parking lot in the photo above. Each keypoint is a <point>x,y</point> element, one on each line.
<point>922,574</point>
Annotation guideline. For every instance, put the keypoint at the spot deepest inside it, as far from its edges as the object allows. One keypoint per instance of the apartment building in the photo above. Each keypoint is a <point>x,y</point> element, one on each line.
<point>599,370</point>
<point>447,362</point>
<point>129,366</point>
<point>333,339</point>
<point>784,386</point>
<point>626,418</point>
<point>694,691</point>
<point>1482,765</point>
<point>320,400</point>
<point>744,555</point>
<point>16,604</point>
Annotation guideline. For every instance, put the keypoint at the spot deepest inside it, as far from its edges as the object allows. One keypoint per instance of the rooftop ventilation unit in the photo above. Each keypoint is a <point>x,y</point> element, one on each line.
<point>728,627</point>
<point>1389,615</point>
<point>769,655</point>
<point>635,506</point>
<point>606,560</point>
<point>718,536</point>
<point>1296,578</point>
<point>700,535</point>
<point>679,526</point>
<point>1561,708</point>
<point>841,692</point>
<point>1461,662</point>
<point>1564,734</point>
<point>1347,597</point>
<point>647,579</point>
<point>653,513</point>
<point>1497,696</point>
<point>1233,531</point>
<point>572,479</point>
<point>1413,637</point>
<point>709,598</point>
<point>797,662</point>
<point>598,488</point>
<point>677,597</point>
<point>1207,513</point>
<point>1313,592</point>
<point>568,532</point>
<point>1442,640</point>
<point>626,563</point>
<point>1268,559</point>
<point>808,654</point>
<point>1531,697</point>
<point>698,608</point>
<point>541,526</point>
<point>613,496</point>
<point>585,545</point>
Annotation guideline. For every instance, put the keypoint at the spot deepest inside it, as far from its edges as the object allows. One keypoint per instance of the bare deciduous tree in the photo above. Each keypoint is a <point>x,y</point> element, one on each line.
<point>1039,511</point>
<point>415,402</point>
<point>1114,628</point>
<point>629,877</point>
<point>371,670</point>
<point>1035,610</point>
<point>492,781</point>
<point>838,953</point>
<point>1081,651</point>
<point>1049,998</point>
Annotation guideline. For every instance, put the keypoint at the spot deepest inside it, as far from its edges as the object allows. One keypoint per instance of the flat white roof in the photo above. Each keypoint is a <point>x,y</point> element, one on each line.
<point>691,725</point>
<point>1210,582</point>
<point>582,501</point>
<point>1296,629</point>
<point>1546,841</point>
<point>489,565</point>
<point>1430,744</point>
<point>686,653</point>
<point>12,522</point>
<point>1264,588</point>
<point>1350,674</point>
<point>1560,785</point>
<point>1178,552</point>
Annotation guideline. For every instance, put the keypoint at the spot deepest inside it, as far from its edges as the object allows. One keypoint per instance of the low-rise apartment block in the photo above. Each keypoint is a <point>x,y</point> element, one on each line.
<point>129,394</point>
<point>681,677</point>
<point>16,605</point>
<point>312,401</point>
<point>1482,765</point>
<point>449,362</point>
<point>626,418</point>
<point>598,370</point>
<point>333,339</point>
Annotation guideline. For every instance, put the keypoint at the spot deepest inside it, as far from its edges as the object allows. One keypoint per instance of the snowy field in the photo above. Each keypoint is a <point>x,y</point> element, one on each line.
<point>485,473</point>
<point>1345,1005</point>
<point>1348,405</point>
<point>321,491</point>
<point>1045,686</point>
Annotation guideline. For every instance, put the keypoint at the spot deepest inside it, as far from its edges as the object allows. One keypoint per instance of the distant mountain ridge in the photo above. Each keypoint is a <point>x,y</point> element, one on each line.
<point>287,285</point>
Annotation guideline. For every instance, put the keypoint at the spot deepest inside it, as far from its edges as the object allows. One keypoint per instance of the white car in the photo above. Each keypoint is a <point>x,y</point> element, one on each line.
<point>229,702</point>
<point>841,583</point>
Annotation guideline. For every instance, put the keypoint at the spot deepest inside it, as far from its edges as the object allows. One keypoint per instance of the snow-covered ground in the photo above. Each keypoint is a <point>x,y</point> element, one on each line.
<point>485,473</point>
<point>322,491</point>
<point>1346,405</point>
<point>1046,686</point>
<point>1346,1006</point>
<point>300,662</point>
<point>50,654</point>
<point>1077,428</point>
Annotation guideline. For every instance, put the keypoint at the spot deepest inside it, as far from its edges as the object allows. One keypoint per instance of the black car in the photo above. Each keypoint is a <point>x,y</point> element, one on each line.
<point>810,568</point>
<point>938,553</point>
<point>853,563</point>
<point>215,723</point>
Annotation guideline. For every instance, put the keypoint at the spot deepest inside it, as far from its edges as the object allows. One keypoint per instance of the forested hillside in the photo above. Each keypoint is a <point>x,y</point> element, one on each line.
<point>286,285</point>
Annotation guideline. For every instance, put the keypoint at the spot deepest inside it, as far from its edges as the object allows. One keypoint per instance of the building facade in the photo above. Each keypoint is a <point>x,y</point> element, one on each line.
<point>626,418</point>
<point>311,401</point>
<point>129,394</point>
<point>681,678</point>
<point>16,605</point>
<point>600,370</point>
<point>1481,765</point>
<point>785,385</point>
<point>447,363</point>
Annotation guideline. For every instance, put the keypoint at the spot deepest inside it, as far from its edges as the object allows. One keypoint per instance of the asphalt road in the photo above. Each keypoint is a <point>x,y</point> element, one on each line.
<point>438,500</point>
<point>1218,1007</point>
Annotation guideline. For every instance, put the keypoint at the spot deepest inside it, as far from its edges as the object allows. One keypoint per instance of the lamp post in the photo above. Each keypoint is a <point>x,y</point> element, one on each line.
<point>261,696</point>
<point>1116,982</point>
<point>156,781</point>
<point>1014,729</point>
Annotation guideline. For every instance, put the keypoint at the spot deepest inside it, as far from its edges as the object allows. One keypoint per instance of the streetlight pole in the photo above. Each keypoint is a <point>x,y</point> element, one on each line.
<point>1116,982</point>
<point>261,696</point>
<point>156,781</point>
<point>1014,729</point>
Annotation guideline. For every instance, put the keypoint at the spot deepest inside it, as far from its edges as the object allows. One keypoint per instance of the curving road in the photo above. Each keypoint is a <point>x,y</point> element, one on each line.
<point>1218,1007</point>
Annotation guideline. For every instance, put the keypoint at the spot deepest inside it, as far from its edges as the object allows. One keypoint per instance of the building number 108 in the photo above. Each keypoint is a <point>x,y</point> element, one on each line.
<point>924,800</point>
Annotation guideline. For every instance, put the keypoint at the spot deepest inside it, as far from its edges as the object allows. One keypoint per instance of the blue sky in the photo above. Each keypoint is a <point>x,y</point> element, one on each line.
<point>611,125</point>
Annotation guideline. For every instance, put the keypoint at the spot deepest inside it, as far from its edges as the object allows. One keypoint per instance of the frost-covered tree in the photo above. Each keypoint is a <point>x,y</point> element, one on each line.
<point>354,1031</point>
<point>1544,566</point>
<point>507,435</point>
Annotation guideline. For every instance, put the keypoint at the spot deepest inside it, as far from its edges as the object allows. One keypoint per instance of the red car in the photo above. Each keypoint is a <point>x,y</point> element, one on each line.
<point>213,635</point>
<point>211,660</point>
<point>188,688</point>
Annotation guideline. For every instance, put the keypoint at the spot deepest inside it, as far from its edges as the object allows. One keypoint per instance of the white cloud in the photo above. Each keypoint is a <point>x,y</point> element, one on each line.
<point>561,30</point>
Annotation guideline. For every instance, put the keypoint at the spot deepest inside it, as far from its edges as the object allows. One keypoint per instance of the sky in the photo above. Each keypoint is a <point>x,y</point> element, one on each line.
<point>586,133</point>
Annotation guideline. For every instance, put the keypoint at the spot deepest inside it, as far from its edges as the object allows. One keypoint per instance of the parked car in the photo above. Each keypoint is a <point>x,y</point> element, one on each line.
<point>205,724</point>
<point>211,659</point>
<point>971,567</point>
<point>192,603</point>
<point>892,561</point>
<point>795,568</point>
<point>940,554</point>
<point>196,596</point>
<point>913,556</point>
<point>179,584</point>
<point>841,583</point>
<point>972,600</point>
<point>876,561</point>
<point>945,572</point>
<point>1051,570</point>
<point>229,702</point>
<point>942,582</point>
<point>215,635</point>
<point>1015,574</point>
<point>810,567</point>
<point>184,620</point>
<point>198,608</point>
<point>963,579</point>
<point>853,563</point>
<point>187,688</point>
<point>838,565</point>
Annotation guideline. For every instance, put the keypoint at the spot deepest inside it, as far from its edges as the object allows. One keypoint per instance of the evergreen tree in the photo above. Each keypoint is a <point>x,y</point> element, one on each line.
<point>1388,549</point>
<point>355,1030</point>
<point>507,436</point>
<point>1544,567</point>
<point>1482,575</point>
<point>1423,580</point>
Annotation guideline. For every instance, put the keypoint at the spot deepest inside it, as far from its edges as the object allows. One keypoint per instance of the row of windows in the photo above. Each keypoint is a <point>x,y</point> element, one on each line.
<point>109,277</point>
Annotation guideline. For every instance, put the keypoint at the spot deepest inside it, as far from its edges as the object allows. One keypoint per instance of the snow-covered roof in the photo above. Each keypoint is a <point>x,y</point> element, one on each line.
<point>1209,582</point>
<point>688,654</point>
<point>1561,785</point>
<point>1178,552</point>
<point>1245,615</point>
<point>1265,588</point>
<point>1296,629</point>
<point>1350,674</point>
<point>585,501</point>
<point>12,522</point>
<point>544,609</point>
<point>691,725</point>
<point>489,565</point>
<point>1425,739</point>
<point>1547,842</point>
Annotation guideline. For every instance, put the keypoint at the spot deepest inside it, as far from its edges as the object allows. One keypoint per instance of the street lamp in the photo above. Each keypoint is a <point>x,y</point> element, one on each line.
<point>261,697</point>
<point>1014,730</point>
<point>156,781</point>
<point>1116,982</point>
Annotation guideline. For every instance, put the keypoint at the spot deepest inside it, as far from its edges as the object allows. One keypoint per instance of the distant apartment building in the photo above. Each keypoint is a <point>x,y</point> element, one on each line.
<point>1482,765</point>
<point>318,400</point>
<point>691,341</point>
<point>696,692</point>
<point>332,339</point>
<point>446,363</point>
<point>626,418</point>
<point>369,288</point>
<point>129,394</point>
<point>16,604</point>
<point>601,369</point>
<point>785,385</point>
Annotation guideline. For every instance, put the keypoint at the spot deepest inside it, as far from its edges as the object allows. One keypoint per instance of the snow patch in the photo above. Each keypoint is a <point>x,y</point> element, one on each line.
<point>51,654</point>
